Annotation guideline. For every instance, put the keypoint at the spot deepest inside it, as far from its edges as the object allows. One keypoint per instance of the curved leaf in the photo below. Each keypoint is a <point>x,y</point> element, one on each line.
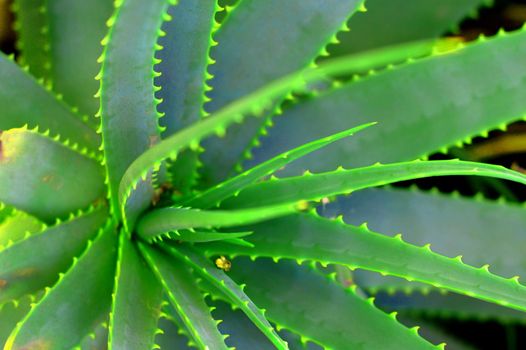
<point>204,236</point>
<point>250,106</point>
<point>44,177</point>
<point>321,310</point>
<point>185,297</point>
<point>11,313</point>
<point>127,100</point>
<point>307,237</point>
<point>290,35</point>
<point>171,336</point>
<point>229,288</point>
<point>185,58</point>
<point>67,312</point>
<point>441,101</point>
<point>388,22</point>
<point>480,229</point>
<point>96,340</point>
<point>160,221</point>
<point>183,68</point>
<point>137,299</point>
<point>18,226</point>
<point>447,306</point>
<point>42,110</point>
<point>76,28</point>
<point>228,188</point>
<point>32,29</point>
<point>22,271</point>
<point>318,186</point>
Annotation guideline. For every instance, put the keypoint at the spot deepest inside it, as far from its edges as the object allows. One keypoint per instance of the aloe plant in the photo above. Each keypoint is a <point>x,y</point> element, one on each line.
<point>128,217</point>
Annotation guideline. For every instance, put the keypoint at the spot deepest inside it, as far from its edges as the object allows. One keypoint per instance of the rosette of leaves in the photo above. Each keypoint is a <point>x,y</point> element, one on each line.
<point>119,228</point>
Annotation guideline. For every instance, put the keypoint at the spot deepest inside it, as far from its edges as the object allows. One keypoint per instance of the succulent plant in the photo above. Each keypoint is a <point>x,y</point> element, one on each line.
<point>127,218</point>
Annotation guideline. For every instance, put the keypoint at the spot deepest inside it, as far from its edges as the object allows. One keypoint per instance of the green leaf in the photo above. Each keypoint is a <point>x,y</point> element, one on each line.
<point>289,35</point>
<point>184,295</point>
<point>233,292</point>
<point>447,306</point>
<point>321,310</point>
<point>171,337</point>
<point>42,109</point>
<point>22,271</point>
<point>183,68</point>
<point>251,105</point>
<point>378,26</point>
<point>12,312</point>
<point>76,28</point>
<point>480,229</point>
<point>18,226</point>
<point>96,340</point>
<point>127,100</point>
<point>307,237</point>
<point>164,220</point>
<point>242,332</point>
<point>77,303</point>
<point>318,186</point>
<point>441,101</point>
<point>185,59</point>
<point>204,236</point>
<point>137,300</point>
<point>31,26</point>
<point>44,177</point>
<point>214,195</point>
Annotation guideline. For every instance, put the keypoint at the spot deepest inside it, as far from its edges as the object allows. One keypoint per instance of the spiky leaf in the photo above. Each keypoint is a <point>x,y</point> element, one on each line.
<point>22,271</point>
<point>68,312</point>
<point>44,177</point>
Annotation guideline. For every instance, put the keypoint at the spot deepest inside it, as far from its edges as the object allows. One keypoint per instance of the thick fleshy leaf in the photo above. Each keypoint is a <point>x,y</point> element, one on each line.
<point>480,229</point>
<point>137,300</point>
<point>96,340</point>
<point>31,25</point>
<point>183,68</point>
<point>42,109</point>
<point>77,303</point>
<point>18,226</point>
<point>229,288</point>
<point>299,237</point>
<point>442,101</point>
<point>204,236</point>
<point>22,271</point>
<point>127,103</point>
<point>185,297</point>
<point>290,35</point>
<point>447,306</point>
<point>11,313</point>
<point>185,59</point>
<point>171,337</point>
<point>378,26</point>
<point>76,28</point>
<point>164,220</point>
<point>242,333</point>
<point>321,310</point>
<point>44,177</point>
<point>230,187</point>
<point>252,105</point>
<point>318,186</point>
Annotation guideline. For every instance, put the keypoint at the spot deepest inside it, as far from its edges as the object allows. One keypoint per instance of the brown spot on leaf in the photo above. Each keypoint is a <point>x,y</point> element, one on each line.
<point>39,344</point>
<point>1,148</point>
<point>28,271</point>
<point>153,139</point>
<point>3,283</point>
<point>47,178</point>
